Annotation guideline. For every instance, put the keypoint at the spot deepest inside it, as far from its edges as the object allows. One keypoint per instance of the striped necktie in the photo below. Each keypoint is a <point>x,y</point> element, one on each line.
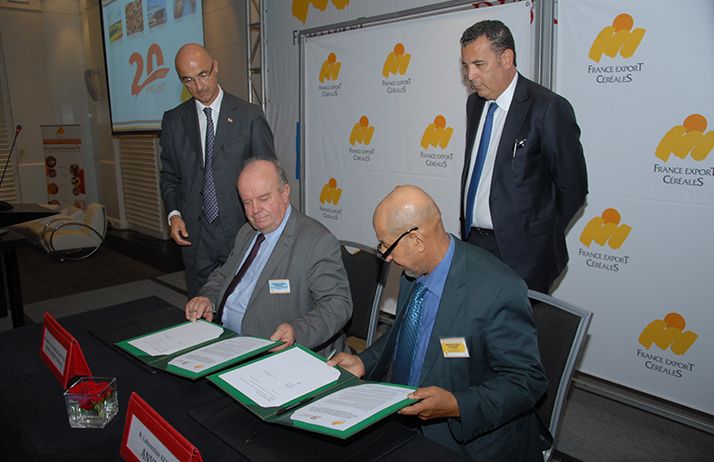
<point>210,200</point>
<point>408,337</point>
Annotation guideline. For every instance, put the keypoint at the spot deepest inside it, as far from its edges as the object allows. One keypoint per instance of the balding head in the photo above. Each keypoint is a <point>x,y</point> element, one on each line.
<point>198,71</point>
<point>263,189</point>
<point>404,208</point>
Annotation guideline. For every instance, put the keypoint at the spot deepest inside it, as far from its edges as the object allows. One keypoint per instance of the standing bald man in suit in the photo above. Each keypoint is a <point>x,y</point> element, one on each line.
<point>204,143</point>
<point>524,175</point>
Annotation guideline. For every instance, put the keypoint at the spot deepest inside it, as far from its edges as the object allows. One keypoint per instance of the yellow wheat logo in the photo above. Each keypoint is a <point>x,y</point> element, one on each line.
<point>618,37</point>
<point>330,69</point>
<point>301,7</point>
<point>437,134</point>
<point>330,192</point>
<point>689,138</point>
<point>397,61</point>
<point>668,333</point>
<point>361,132</point>
<point>606,229</point>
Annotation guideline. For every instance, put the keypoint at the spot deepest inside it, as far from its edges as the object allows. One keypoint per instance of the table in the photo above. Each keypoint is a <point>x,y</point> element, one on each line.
<point>34,419</point>
<point>11,293</point>
<point>21,213</point>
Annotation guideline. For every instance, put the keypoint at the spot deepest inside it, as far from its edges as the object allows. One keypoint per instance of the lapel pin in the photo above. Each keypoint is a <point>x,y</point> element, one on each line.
<point>230,120</point>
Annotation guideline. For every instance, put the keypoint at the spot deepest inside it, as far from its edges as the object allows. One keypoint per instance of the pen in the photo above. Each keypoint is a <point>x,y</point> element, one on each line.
<point>284,409</point>
<point>518,144</point>
<point>332,353</point>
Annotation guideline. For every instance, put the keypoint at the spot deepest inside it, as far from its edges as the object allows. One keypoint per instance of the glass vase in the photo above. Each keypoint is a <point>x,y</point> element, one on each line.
<point>91,402</point>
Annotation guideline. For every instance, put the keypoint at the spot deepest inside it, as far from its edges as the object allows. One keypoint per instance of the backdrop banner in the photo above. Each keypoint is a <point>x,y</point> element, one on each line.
<point>385,105</point>
<point>638,255</point>
<point>282,21</point>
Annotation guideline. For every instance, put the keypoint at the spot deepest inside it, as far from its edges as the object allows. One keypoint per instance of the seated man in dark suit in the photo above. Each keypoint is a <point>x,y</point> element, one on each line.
<point>284,279</point>
<point>464,335</point>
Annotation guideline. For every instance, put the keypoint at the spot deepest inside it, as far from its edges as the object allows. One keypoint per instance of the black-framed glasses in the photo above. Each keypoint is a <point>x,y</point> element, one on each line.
<point>202,76</point>
<point>385,254</point>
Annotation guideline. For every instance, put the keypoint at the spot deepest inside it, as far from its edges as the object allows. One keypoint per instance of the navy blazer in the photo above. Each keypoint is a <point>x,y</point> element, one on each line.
<point>497,387</point>
<point>539,180</point>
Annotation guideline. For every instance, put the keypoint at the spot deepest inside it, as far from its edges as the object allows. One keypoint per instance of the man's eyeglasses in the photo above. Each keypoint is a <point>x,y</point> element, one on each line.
<point>384,254</point>
<point>202,76</point>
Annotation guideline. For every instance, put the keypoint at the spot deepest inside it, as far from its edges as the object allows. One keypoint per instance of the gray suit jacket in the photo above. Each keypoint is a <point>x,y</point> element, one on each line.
<point>497,387</point>
<point>242,132</point>
<point>319,303</point>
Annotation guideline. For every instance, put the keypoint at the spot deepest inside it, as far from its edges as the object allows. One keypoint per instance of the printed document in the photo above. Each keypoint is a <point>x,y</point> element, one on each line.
<point>281,378</point>
<point>177,338</point>
<point>216,353</point>
<point>349,406</point>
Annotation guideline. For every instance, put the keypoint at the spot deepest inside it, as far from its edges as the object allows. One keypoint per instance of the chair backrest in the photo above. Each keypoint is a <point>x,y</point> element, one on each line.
<point>562,329</point>
<point>367,275</point>
<point>96,218</point>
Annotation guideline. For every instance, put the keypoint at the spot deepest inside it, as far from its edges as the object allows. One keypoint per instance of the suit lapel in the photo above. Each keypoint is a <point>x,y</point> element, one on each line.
<point>452,298</point>
<point>472,121</point>
<point>380,369</point>
<point>520,106</point>
<point>228,112</point>
<point>280,252</point>
<point>189,117</point>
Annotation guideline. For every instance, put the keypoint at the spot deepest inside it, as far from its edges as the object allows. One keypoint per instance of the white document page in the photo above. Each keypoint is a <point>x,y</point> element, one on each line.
<point>177,338</point>
<point>349,406</point>
<point>217,353</point>
<point>280,378</point>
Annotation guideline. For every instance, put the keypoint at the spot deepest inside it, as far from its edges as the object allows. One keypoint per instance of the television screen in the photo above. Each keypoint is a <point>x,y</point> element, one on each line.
<point>141,38</point>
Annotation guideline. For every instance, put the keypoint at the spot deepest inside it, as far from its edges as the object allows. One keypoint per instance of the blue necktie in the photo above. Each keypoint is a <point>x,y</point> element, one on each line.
<point>210,201</point>
<point>478,168</point>
<point>408,337</point>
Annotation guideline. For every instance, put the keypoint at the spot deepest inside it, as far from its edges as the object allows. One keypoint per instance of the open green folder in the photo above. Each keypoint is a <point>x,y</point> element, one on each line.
<point>194,349</point>
<point>295,387</point>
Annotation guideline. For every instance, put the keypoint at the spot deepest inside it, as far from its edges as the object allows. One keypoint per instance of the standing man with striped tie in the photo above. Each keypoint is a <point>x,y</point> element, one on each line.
<point>463,335</point>
<point>284,278</point>
<point>204,142</point>
<point>524,175</point>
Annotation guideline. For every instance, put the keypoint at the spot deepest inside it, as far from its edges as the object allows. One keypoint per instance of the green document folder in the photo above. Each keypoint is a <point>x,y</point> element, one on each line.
<point>161,361</point>
<point>285,413</point>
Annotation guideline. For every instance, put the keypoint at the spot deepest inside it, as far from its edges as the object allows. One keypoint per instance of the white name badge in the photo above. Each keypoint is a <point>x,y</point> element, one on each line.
<point>454,347</point>
<point>279,286</point>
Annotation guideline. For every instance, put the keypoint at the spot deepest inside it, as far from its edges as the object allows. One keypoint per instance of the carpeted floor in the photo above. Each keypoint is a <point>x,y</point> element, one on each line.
<point>44,277</point>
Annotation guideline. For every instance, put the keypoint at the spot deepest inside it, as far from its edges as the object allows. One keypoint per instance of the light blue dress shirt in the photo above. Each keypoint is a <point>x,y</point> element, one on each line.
<point>434,283</point>
<point>237,302</point>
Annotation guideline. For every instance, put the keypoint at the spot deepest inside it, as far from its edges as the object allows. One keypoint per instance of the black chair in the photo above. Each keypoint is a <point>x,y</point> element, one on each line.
<point>562,329</point>
<point>367,274</point>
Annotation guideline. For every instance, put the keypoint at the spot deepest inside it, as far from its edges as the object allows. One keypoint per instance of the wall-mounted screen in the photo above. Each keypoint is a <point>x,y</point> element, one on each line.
<point>141,38</point>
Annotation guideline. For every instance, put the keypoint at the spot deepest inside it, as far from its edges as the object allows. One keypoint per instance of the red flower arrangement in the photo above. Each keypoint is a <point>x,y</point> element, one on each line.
<point>92,393</point>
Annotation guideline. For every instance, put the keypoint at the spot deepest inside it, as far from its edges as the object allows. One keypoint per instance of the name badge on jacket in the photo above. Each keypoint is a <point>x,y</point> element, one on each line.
<point>454,347</point>
<point>279,286</point>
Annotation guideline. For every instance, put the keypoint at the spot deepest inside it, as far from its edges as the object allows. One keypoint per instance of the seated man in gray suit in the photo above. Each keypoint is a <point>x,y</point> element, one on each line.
<point>284,282</point>
<point>464,335</point>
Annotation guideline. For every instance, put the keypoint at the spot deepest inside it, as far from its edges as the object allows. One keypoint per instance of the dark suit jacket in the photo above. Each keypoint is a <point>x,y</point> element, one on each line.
<point>319,303</point>
<point>242,132</point>
<point>498,386</point>
<point>536,192</point>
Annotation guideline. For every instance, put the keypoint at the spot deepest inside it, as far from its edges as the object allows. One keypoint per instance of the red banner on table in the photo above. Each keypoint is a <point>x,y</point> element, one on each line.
<point>61,352</point>
<point>148,436</point>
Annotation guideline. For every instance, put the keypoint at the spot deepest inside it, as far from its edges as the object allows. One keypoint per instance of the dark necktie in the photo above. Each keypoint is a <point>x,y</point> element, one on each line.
<point>210,201</point>
<point>478,168</point>
<point>239,275</point>
<point>408,337</point>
